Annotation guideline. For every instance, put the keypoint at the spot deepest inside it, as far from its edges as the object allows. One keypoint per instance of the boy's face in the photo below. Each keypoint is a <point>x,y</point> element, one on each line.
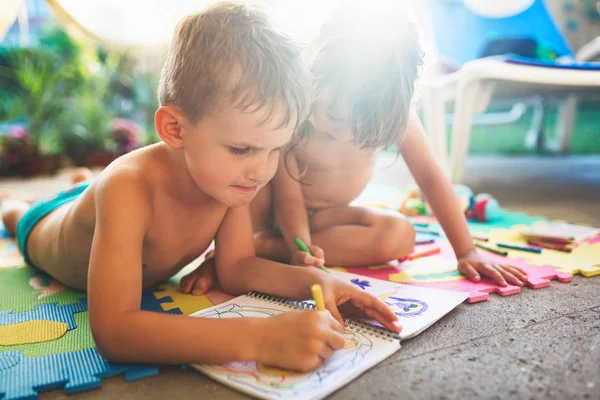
<point>233,154</point>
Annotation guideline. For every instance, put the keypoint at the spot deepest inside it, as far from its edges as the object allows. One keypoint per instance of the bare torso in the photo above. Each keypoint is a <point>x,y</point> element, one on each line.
<point>336,171</point>
<point>178,231</point>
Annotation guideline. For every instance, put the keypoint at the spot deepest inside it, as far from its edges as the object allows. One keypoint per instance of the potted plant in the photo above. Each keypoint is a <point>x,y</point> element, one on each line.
<point>39,88</point>
<point>21,155</point>
<point>126,134</point>
<point>85,130</point>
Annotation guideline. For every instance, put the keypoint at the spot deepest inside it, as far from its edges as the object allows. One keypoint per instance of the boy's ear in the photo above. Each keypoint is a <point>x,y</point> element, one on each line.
<point>169,126</point>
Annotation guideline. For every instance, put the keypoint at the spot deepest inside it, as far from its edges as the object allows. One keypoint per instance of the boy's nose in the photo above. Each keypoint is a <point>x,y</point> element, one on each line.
<point>259,173</point>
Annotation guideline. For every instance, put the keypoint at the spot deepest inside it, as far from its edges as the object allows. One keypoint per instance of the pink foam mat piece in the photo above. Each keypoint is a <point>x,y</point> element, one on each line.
<point>439,271</point>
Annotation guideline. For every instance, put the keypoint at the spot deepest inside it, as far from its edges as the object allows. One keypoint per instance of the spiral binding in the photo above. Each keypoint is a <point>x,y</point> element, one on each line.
<point>296,304</point>
<point>377,331</point>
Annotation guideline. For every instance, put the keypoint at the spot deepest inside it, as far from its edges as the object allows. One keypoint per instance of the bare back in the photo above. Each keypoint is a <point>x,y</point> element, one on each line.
<point>179,230</point>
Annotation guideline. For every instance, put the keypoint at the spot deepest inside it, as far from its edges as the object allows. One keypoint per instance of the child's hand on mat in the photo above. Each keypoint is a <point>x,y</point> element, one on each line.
<point>473,265</point>
<point>303,259</point>
<point>300,340</point>
<point>201,280</point>
<point>354,301</point>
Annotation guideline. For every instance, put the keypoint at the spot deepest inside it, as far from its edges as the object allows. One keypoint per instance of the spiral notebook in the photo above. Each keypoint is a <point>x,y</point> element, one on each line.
<point>367,343</point>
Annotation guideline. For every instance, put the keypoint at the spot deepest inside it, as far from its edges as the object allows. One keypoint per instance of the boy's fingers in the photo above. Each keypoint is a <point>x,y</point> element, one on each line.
<point>306,258</point>
<point>516,271</point>
<point>391,325</point>
<point>202,285</point>
<point>186,284</point>
<point>495,274</point>
<point>365,302</point>
<point>511,278</point>
<point>470,273</point>
<point>326,352</point>
<point>335,313</point>
<point>369,302</point>
<point>335,341</point>
<point>318,252</point>
<point>206,280</point>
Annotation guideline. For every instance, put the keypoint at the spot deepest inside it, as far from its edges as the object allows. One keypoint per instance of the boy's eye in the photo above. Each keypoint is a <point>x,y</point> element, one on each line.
<point>277,149</point>
<point>238,151</point>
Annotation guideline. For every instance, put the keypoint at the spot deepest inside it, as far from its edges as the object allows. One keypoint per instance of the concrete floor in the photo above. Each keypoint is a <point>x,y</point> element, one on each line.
<point>538,344</point>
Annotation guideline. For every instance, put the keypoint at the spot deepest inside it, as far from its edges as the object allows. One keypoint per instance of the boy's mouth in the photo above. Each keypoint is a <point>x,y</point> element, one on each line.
<point>245,189</point>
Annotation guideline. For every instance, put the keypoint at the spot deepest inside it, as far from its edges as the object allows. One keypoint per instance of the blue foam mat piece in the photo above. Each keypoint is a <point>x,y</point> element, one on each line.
<point>23,377</point>
<point>47,312</point>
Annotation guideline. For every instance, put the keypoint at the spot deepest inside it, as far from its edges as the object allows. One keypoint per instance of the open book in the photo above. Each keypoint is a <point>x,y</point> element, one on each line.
<point>366,344</point>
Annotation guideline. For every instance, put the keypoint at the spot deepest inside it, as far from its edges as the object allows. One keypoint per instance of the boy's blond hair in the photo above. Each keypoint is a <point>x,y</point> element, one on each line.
<point>232,55</point>
<point>365,63</point>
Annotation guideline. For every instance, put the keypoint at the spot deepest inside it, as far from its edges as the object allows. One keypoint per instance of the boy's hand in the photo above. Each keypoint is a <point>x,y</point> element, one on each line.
<point>201,280</point>
<point>300,340</point>
<point>303,259</point>
<point>357,302</point>
<point>473,265</point>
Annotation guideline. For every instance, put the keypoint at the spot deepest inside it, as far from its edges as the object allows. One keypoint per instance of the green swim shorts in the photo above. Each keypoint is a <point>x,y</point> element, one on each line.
<point>39,210</point>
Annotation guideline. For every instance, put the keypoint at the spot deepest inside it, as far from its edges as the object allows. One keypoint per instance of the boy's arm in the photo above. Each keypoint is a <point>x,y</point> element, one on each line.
<point>438,191</point>
<point>290,212</point>
<point>121,330</point>
<point>288,202</point>
<point>240,271</point>
<point>436,188</point>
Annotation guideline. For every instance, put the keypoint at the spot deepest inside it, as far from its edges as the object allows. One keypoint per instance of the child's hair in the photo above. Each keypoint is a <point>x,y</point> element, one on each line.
<point>233,55</point>
<point>365,61</point>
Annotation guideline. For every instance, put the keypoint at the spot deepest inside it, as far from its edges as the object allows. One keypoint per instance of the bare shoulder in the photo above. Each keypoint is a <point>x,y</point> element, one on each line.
<point>122,184</point>
<point>128,183</point>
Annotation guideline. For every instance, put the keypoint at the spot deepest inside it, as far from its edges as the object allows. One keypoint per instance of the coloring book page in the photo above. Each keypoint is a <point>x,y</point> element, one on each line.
<point>417,308</point>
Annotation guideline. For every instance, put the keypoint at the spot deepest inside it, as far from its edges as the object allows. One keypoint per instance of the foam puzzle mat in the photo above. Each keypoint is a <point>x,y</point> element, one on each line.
<point>46,341</point>
<point>441,271</point>
<point>45,337</point>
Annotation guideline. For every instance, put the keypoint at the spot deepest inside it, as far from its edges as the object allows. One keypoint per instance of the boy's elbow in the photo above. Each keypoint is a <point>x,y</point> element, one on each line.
<point>231,280</point>
<point>108,342</point>
<point>228,285</point>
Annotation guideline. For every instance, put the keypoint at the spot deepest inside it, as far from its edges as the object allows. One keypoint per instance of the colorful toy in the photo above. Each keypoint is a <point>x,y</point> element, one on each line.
<point>482,207</point>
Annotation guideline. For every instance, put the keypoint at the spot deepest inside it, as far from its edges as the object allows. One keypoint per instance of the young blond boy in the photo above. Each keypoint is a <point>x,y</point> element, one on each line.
<point>231,93</point>
<point>365,62</point>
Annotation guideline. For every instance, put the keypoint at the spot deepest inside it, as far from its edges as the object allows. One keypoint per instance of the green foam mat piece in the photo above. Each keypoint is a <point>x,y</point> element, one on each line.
<point>17,293</point>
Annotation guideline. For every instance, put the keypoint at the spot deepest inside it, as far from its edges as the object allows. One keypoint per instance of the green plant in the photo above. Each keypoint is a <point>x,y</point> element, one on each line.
<point>68,95</point>
<point>15,146</point>
<point>43,85</point>
<point>146,87</point>
<point>85,126</point>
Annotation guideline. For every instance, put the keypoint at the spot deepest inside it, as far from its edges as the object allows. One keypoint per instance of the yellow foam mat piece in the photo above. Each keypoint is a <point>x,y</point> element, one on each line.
<point>34,331</point>
<point>186,303</point>
<point>584,259</point>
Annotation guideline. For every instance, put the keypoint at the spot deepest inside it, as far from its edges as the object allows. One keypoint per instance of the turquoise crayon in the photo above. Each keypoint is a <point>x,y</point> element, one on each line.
<point>491,249</point>
<point>520,248</point>
<point>436,233</point>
